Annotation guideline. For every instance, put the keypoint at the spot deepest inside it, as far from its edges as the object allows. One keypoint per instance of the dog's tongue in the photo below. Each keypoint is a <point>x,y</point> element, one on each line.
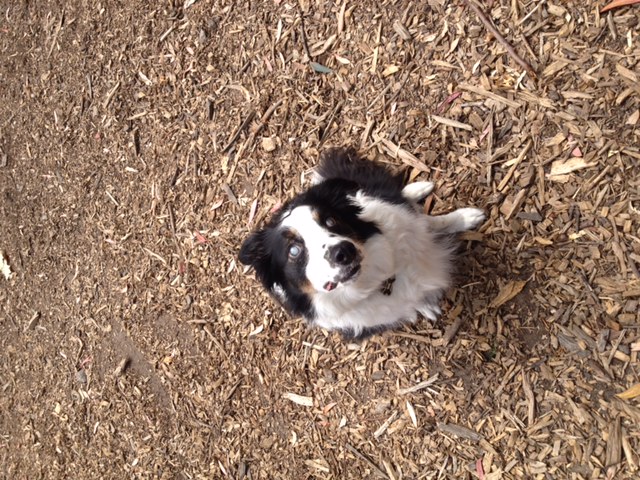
<point>329,286</point>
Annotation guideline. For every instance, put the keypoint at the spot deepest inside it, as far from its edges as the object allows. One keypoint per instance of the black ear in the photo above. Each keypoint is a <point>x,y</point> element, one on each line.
<point>253,251</point>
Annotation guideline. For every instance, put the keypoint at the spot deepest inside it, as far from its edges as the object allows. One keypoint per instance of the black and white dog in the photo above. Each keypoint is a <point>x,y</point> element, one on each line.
<point>354,253</point>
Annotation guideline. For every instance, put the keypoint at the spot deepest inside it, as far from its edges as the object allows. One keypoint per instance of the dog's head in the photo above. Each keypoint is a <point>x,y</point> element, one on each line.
<point>313,244</point>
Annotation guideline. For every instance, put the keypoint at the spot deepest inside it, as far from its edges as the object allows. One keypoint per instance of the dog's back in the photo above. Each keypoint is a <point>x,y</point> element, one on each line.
<point>372,178</point>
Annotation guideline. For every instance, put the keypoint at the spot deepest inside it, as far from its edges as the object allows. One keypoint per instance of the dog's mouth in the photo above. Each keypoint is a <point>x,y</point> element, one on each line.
<point>350,275</point>
<point>330,286</point>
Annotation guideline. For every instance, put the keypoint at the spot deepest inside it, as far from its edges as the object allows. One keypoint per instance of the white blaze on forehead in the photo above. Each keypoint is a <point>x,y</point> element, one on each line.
<point>317,240</point>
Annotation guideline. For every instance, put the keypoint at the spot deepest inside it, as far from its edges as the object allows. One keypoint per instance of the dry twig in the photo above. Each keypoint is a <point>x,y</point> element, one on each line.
<point>366,459</point>
<point>491,27</point>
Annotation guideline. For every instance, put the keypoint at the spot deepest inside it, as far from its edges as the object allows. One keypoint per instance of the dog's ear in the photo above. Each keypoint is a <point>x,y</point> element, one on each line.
<point>253,251</point>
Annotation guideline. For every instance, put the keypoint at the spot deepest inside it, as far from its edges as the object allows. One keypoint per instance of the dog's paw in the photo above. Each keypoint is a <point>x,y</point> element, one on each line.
<point>470,218</point>
<point>430,312</point>
<point>417,191</point>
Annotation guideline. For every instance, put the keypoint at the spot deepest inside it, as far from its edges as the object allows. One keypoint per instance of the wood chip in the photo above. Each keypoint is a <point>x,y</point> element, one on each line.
<point>122,367</point>
<point>299,399</point>
<point>531,400</point>
<point>628,74</point>
<point>32,321</point>
<point>390,70</point>
<point>629,454</point>
<point>555,67</point>
<point>401,30</point>
<point>319,464</point>
<point>562,167</point>
<point>452,329</point>
<point>412,414</point>
<point>630,393</point>
<point>268,144</point>
<point>459,431</point>
<point>614,444</point>
<point>509,291</point>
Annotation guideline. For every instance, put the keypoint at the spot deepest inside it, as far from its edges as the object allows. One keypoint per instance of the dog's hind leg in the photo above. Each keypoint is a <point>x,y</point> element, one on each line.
<point>417,191</point>
<point>458,221</point>
<point>430,311</point>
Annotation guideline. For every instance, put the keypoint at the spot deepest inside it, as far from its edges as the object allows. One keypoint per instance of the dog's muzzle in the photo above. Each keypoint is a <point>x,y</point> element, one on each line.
<point>346,257</point>
<point>342,254</point>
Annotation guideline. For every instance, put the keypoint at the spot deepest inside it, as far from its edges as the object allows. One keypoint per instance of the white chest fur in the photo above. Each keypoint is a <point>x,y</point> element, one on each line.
<point>407,250</point>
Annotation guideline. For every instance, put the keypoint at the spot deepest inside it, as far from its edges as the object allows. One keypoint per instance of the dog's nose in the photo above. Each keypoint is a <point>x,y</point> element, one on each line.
<point>343,253</point>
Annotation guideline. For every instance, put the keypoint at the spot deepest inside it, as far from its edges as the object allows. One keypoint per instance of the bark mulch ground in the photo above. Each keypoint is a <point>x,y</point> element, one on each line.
<point>141,141</point>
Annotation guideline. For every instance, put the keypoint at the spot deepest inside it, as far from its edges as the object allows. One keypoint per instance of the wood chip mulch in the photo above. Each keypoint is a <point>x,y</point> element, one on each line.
<point>141,141</point>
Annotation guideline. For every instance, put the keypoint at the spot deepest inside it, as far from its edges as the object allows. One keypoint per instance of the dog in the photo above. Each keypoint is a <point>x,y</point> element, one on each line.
<point>354,253</point>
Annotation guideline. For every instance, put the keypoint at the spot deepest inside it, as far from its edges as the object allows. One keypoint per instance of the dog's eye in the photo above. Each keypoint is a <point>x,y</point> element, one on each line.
<point>330,222</point>
<point>294,251</point>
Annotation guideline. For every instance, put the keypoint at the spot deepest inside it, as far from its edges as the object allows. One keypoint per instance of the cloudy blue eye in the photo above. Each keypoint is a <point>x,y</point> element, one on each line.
<point>330,222</point>
<point>294,251</point>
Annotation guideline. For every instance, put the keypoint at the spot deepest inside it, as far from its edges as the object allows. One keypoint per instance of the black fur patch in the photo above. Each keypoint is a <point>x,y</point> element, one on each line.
<point>373,178</point>
<point>267,252</point>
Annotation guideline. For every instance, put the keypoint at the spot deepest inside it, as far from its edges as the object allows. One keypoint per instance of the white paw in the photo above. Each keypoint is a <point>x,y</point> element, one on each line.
<point>430,312</point>
<point>470,217</point>
<point>417,191</point>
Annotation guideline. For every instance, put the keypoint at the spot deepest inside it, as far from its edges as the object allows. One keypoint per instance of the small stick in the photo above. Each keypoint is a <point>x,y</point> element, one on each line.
<point>451,331</point>
<point>239,130</point>
<point>452,123</point>
<point>267,115</point>
<point>396,152</point>
<point>426,383</point>
<point>303,34</point>
<point>517,161</point>
<point>122,366</point>
<point>531,399</point>
<point>332,115</point>
<point>110,95</point>
<point>380,95</point>
<point>489,24</point>
<point>614,347</point>
<point>491,95</point>
<point>32,321</point>
<point>365,459</point>
<point>385,425</point>
<point>265,118</point>
<point>172,223</point>
<point>263,122</point>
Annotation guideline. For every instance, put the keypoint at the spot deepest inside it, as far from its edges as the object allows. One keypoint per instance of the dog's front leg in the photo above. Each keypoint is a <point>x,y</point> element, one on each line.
<point>460,220</point>
<point>417,191</point>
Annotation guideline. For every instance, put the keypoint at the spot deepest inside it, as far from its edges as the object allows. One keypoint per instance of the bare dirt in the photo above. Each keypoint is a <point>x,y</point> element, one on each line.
<point>141,141</point>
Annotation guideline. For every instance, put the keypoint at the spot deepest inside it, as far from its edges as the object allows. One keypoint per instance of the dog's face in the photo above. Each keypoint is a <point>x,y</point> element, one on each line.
<point>321,248</point>
<point>314,244</point>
